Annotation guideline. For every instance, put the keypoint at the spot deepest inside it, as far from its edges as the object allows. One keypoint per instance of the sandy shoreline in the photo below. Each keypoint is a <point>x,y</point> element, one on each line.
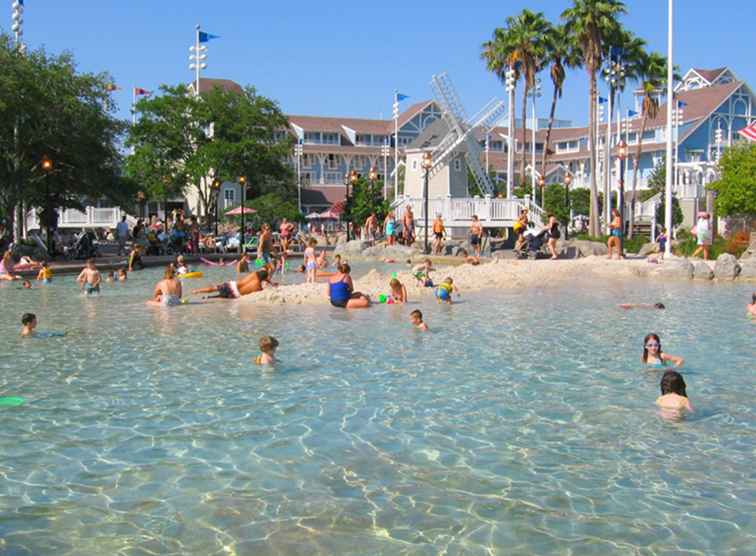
<point>499,274</point>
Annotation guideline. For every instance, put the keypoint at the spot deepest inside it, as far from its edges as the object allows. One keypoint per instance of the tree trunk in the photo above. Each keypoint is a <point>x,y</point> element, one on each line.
<point>593,220</point>
<point>638,153</point>
<point>548,132</point>
<point>523,163</point>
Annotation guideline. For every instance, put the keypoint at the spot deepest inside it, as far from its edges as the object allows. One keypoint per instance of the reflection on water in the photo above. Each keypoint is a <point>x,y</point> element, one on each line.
<point>523,423</point>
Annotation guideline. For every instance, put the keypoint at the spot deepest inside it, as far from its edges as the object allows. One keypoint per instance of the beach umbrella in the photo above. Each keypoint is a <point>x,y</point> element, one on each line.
<point>313,216</point>
<point>238,211</point>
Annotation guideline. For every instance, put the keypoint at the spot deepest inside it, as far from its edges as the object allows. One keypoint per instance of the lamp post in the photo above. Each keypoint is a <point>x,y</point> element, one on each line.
<point>47,167</point>
<point>567,182</point>
<point>350,178</point>
<point>670,97</point>
<point>534,93</point>
<point>541,185</point>
<point>615,76</point>
<point>622,155</point>
<point>511,82</point>
<point>243,187</point>
<point>385,150</point>
<point>216,189</point>
<point>427,164</point>
<point>298,149</point>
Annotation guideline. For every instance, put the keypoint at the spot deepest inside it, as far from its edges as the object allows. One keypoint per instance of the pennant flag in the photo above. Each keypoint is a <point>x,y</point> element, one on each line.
<point>400,97</point>
<point>206,37</point>
<point>110,87</point>
<point>602,100</point>
<point>20,2</point>
<point>631,113</point>
<point>138,91</point>
<point>749,132</point>
<point>681,104</point>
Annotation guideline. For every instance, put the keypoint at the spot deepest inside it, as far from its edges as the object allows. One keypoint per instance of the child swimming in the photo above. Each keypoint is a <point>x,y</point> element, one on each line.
<point>122,275</point>
<point>445,289</point>
<point>268,346</point>
<point>416,318</point>
<point>673,400</point>
<point>653,355</point>
<point>45,274</point>
<point>90,278</point>
<point>28,324</point>
<point>26,285</point>
<point>398,291</point>
<point>642,306</point>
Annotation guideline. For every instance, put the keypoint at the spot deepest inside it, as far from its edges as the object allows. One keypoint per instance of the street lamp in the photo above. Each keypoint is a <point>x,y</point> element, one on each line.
<point>350,178</point>
<point>541,184</point>
<point>298,151</point>
<point>216,188</point>
<point>622,155</point>
<point>511,83</point>
<point>534,93</point>
<point>372,175</point>
<point>567,182</point>
<point>385,150</point>
<point>243,187</point>
<point>427,164</point>
<point>47,166</point>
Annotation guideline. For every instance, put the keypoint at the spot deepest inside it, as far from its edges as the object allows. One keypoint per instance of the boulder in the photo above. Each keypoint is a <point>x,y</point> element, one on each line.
<point>675,269</point>
<point>727,267</point>
<point>702,271</point>
<point>582,247</point>
<point>568,250</point>
<point>390,251</point>
<point>748,269</point>
<point>354,247</point>
<point>648,249</point>
<point>451,248</point>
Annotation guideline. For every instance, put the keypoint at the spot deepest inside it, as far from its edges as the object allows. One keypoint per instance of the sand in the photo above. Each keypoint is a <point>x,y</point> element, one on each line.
<point>496,274</point>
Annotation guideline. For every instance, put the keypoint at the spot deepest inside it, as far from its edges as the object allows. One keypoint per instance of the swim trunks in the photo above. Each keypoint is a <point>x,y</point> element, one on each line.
<point>170,300</point>
<point>228,290</point>
<point>89,289</point>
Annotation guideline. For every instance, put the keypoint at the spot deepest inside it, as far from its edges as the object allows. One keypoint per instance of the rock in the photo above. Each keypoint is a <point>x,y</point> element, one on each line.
<point>648,249</point>
<point>582,247</point>
<point>568,251</point>
<point>748,269</point>
<point>702,271</point>
<point>727,267</point>
<point>354,247</point>
<point>451,248</point>
<point>390,252</point>
<point>676,269</point>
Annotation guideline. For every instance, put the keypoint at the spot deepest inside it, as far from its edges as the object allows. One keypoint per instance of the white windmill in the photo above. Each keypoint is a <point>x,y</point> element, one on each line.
<point>463,130</point>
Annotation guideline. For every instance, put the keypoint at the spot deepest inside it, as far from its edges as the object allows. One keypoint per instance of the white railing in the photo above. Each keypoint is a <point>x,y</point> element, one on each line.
<point>90,217</point>
<point>458,212</point>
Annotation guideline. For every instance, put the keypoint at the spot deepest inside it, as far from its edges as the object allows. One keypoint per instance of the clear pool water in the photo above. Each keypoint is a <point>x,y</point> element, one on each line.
<point>522,424</point>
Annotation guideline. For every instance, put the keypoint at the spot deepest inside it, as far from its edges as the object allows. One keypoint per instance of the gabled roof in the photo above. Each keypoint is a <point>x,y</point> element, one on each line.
<point>412,111</point>
<point>207,84</point>
<point>710,75</point>
<point>333,124</point>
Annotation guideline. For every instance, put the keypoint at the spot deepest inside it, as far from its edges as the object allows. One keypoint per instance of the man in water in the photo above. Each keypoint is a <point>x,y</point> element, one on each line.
<point>28,324</point>
<point>90,278</point>
<point>251,283</point>
<point>752,307</point>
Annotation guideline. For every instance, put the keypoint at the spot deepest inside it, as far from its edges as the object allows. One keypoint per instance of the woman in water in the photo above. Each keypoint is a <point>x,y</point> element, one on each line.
<point>653,355</point>
<point>167,292</point>
<point>341,291</point>
<point>615,234</point>
<point>554,235</point>
<point>673,400</point>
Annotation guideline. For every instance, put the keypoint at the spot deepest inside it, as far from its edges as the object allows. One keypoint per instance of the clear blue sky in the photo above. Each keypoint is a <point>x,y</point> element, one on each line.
<point>345,58</point>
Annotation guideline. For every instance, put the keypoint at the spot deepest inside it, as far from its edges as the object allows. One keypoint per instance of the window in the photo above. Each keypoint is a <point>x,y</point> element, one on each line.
<point>414,165</point>
<point>306,178</point>
<point>457,165</point>
<point>306,161</point>
<point>380,140</point>
<point>405,140</point>
<point>331,138</point>
<point>228,198</point>
<point>312,137</point>
<point>331,162</point>
<point>649,134</point>
<point>497,145</point>
<point>364,140</point>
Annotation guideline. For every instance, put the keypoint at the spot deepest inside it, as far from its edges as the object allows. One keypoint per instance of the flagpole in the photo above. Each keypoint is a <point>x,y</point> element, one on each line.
<point>198,61</point>
<point>669,168</point>
<point>396,143</point>
<point>608,161</point>
<point>133,105</point>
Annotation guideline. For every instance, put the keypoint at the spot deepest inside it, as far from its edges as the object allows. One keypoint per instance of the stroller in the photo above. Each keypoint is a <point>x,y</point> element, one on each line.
<point>83,248</point>
<point>533,246</point>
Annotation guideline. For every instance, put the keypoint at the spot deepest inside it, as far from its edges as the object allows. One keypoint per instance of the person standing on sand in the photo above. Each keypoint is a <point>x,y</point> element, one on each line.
<point>554,236</point>
<point>408,226</point>
<point>286,230</point>
<point>371,223</point>
<point>476,235</point>
<point>615,235</point>
<point>389,225</point>
<point>264,244</point>
<point>703,235</point>
<point>438,234</point>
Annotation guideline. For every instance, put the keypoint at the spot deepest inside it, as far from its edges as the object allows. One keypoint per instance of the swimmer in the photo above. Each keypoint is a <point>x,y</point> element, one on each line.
<point>26,285</point>
<point>416,318</point>
<point>90,278</point>
<point>653,355</point>
<point>752,307</point>
<point>398,291</point>
<point>659,306</point>
<point>251,283</point>
<point>268,346</point>
<point>311,262</point>
<point>318,273</point>
<point>28,324</point>
<point>45,274</point>
<point>167,292</point>
<point>337,261</point>
<point>445,289</point>
<point>389,261</point>
<point>122,275</point>
<point>673,400</point>
<point>110,277</point>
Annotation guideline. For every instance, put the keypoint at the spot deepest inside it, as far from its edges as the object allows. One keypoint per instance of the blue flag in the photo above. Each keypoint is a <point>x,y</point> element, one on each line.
<point>631,113</point>
<point>205,37</point>
<point>400,97</point>
<point>602,100</point>
<point>681,104</point>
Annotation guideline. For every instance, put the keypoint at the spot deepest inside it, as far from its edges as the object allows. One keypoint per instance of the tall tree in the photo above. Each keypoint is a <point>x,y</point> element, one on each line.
<point>653,75</point>
<point>561,54</point>
<point>522,45</point>
<point>736,192</point>
<point>590,24</point>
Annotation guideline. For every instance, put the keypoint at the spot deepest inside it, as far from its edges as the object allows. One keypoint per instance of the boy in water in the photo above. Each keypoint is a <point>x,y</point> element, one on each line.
<point>752,307</point>
<point>122,275</point>
<point>445,290</point>
<point>90,278</point>
<point>28,324</point>
<point>26,285</point>
<point>268,346</point>
<point>45,274</point>
<point>110,277</point>
<point>416,318</point>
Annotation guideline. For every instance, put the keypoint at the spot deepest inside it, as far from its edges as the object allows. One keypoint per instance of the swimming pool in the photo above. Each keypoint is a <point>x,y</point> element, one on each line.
<point>522,424</point>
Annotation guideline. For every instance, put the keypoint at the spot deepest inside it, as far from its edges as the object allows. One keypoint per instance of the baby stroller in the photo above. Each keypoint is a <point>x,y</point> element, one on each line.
<point>83,248</point>
<point>154,245</point>
<point>533,246</point>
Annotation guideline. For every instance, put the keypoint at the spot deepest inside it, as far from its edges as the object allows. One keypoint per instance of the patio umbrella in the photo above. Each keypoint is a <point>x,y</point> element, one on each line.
<point>238,211</point>
<point>313,216</point>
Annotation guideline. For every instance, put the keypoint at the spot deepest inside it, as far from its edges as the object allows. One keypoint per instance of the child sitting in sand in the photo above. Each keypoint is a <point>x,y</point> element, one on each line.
<point>268,346</point>
<point>422,273</point>
<point>653,355</point>
<point>89,279</point>
<point>398,291</point>
<point>416,318</point>
<point>28,324</point>
<point>45,274</point>
<point>445,289</point>
<point>673,400</point>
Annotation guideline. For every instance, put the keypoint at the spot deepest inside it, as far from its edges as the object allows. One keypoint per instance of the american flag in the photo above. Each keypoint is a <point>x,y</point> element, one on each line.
<point>138,91</point>
<point>749,132</point>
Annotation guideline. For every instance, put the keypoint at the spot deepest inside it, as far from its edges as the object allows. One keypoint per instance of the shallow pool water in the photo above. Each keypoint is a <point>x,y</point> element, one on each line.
<point>523,423</point>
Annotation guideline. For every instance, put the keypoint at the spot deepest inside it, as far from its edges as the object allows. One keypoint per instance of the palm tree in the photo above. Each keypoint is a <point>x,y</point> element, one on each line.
<point>521,46</point>
<point>590,24</point>
<point>653,75</point>
<point>560,54</point>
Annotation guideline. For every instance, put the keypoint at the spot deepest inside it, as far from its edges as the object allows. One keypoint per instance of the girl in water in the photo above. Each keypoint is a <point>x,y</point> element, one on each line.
<point>398,291</point>
<point>673,400</point>
<point>311,264</point>
<point>653,355</point>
